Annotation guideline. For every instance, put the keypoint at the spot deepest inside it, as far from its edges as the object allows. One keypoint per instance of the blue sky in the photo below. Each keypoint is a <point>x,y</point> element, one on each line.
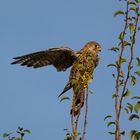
<point>28,97</point>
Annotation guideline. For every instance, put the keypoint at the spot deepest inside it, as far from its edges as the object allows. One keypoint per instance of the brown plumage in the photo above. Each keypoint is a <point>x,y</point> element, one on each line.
<point>83,64</point>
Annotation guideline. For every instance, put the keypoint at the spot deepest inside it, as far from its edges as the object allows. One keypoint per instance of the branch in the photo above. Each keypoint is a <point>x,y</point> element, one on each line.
<point>85,118</point>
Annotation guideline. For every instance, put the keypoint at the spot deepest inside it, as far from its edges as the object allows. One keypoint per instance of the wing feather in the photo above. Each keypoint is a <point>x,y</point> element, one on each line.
<point>60,58</point>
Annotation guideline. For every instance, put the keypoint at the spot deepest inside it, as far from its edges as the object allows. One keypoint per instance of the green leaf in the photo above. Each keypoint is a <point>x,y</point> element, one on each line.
<point>138,72</point>
<point>113,75</point>
<point>115,49</point>
<point>138,135</point>
<point>136,97</point>
<point>122,60</point>
<point>110,123</point>
<point>17,139</point>
<point>112,65</point>
<point>27,131</point>
<point>119,12</point>
<point>138,61</point>
<point>20,128</point>
<point>132,133</point>
<point>137,107</point>
<point>131,27</point>
<point>111,133</point>
<point>127,93</point>
<point>64,98</point>
<point>137,1</point>
<point>133,116</point>
<point>130,107</point>
<point>121,36</point>
<point>132,38</point>
<point>5,135</point>
<point>133,9</point>
<point>113,96</point>
<point>125,43</point>
<point>126,110</point>
<point>130,67</point>
<point>108,116</point>
<point>123,133</point>
<point>133,3</point>
<point>133,80</point>
<point>139,28</point>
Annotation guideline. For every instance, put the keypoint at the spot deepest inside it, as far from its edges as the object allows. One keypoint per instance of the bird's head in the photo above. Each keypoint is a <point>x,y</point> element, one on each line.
<point>93,46</point>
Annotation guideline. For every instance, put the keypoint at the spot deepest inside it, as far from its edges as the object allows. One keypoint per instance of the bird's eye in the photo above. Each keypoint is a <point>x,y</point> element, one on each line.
<point>96,46</point>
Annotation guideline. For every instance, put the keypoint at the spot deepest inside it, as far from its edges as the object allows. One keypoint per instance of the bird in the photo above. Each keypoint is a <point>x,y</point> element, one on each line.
<point>82,65</point>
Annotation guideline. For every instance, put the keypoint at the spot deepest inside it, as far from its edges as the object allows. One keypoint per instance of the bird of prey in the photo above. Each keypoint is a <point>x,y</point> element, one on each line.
<point>83,64</point>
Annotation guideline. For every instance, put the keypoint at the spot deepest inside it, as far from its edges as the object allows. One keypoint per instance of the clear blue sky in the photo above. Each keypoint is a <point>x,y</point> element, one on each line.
<point>28,97</point>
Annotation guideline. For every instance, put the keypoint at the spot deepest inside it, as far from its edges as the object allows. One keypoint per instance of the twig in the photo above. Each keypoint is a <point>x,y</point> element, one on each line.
<point>117,131</point>
<point>86,111</point>
<point>74,134</point>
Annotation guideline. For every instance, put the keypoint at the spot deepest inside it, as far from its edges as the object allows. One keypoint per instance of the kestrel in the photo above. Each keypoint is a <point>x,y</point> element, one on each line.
<point>83,64</point>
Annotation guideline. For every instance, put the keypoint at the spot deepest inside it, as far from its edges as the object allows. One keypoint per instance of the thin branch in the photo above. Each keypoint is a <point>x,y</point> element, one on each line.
<point>129,64</point>
<point>85,118</point>
<point>117,131</point>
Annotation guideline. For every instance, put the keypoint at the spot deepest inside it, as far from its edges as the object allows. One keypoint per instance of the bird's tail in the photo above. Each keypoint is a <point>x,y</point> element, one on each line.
<point>78,102</point>
<point>66,88</point>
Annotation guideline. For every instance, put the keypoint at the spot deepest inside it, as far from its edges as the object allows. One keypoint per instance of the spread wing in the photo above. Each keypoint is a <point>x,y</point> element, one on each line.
<point>60,58</point>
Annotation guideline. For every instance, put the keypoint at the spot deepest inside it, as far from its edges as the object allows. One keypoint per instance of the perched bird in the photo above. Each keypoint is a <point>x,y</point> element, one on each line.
<point>83,64</point>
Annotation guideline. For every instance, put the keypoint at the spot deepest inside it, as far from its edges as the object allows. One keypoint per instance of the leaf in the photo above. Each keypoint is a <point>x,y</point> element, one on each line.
<point>113,75</point>
<point>123,133</point>
<point>122,60</point>
<point>17,139</point>
<point>130,107</point>
<point>133,9</point>
<point>126,110</point>
<point>133,80</point>
<point>137,107</point>
<point>133,116</point>
<point>108,116</point>
<point>112,65</point>
<point>132,38</point>
<point>130,67</point>
<point>130,2</point>
<point>127,93</point>
<point>138,135</point>
<point>137,1</point>
<point>138,61</point>
<point>139,28</point>
<point>131,27</point>
<point>64,98</point>
<point>20,128</point>
<point>125,43</point>
<point>27,131</point>
<point>115,49</point>
<point>121,36</point>
<point>5,135</point>
<point>113,96</point>
<point>132,133</point>
<point>110,123</point>
<point>138,72</point>
<point>119,12</point>
<point>111,133</point>
<point>136,97</point>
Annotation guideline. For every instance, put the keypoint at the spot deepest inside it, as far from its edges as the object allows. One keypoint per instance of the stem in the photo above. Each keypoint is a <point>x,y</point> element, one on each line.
<point>117,131</point>
<point>129,65</point>
<point>85,118</point>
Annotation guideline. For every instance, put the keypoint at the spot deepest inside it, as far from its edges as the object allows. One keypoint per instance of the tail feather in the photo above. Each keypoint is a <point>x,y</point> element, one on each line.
<point>67,87</point>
